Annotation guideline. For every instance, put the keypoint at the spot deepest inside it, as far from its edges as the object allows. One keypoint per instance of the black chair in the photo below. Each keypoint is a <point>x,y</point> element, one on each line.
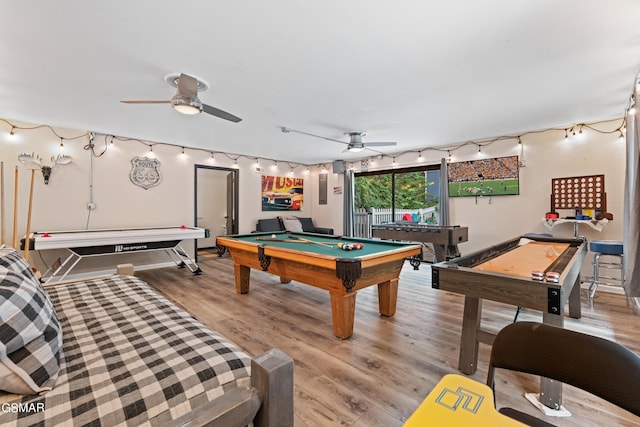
<point>599,366</point>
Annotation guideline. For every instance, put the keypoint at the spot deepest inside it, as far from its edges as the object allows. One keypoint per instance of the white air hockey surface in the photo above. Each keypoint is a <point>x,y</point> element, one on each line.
<point>89,243</point>
<point>125,236</point>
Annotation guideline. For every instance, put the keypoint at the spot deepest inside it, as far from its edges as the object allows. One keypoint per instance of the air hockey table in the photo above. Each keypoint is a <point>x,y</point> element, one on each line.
<point>91,243</point>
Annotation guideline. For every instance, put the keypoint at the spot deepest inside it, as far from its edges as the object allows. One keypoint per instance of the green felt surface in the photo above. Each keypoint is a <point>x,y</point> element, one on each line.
<point>371,247</point>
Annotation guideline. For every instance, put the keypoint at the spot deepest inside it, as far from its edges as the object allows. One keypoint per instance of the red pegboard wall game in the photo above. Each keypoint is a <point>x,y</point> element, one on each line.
<point>579,192</point>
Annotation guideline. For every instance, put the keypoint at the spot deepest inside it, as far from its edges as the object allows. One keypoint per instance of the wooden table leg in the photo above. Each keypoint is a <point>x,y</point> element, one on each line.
<point>575,305</point>
<point>387,297</point>
<point>343,308</point>
<point>243,275</point>
<point>468,360</point>
<point>551,390</point>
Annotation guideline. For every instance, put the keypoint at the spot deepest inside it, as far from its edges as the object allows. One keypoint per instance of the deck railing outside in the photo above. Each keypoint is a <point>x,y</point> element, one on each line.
<point>365,219</point>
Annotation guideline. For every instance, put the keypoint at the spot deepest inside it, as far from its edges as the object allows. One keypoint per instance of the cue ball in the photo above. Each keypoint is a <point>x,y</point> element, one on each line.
<point>273,236</point>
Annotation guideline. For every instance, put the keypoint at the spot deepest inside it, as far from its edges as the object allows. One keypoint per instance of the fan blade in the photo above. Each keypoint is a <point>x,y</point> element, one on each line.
<point>219,113</point>
<point>187,86</point>
<point>379,144</point>
<point>145,102</point>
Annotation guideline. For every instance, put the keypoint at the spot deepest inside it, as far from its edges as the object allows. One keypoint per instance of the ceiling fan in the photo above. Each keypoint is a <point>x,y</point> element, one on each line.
<point>355,143</point>
<point>186,99</point>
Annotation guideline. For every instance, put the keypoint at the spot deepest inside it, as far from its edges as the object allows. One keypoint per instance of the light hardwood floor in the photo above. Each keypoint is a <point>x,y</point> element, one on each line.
<point>381,374</point>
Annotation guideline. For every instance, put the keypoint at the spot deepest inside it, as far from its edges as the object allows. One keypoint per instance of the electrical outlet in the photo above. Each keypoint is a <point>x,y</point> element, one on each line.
<point>91,206</point>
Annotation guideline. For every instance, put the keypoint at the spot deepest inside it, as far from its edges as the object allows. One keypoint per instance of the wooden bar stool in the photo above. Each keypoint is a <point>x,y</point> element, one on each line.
<point>610,249</point>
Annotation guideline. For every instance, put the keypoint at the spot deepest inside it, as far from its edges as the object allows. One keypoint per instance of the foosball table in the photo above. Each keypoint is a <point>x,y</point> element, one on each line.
<point>444,238</point>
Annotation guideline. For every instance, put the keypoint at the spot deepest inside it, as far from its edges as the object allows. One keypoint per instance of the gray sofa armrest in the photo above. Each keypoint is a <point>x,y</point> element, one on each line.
<point>272,225</point>
<point>323,230</point>
<point>309,227</point>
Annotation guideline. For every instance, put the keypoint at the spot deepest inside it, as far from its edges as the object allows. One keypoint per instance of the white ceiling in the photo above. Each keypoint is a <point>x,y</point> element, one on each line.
<point>419,72</point>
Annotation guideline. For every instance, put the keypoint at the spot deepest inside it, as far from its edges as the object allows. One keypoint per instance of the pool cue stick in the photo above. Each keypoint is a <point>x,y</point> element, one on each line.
<point>26,238</point>
<point>15,210</point>
<point>2,236</point>
<point>269,239</point>
<point>329,245</point>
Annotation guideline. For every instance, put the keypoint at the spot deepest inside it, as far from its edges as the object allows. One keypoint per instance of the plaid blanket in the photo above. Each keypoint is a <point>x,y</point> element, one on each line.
<point>130,358</point>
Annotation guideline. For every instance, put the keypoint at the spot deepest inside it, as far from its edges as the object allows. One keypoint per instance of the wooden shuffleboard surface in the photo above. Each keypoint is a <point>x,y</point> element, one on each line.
<point>521,261</point>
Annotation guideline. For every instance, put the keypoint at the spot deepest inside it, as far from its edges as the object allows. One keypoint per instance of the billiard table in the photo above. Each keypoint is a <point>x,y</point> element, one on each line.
<point>324,265</point>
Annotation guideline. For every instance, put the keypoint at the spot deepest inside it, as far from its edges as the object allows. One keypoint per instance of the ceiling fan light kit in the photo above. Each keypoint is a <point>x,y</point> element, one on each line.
<point>185,105</point>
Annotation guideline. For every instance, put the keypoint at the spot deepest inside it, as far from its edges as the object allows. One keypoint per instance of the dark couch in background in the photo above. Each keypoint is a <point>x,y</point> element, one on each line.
<point>280,224</point>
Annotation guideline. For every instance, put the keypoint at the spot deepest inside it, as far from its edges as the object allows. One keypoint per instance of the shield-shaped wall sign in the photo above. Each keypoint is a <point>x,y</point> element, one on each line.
<point>145,172</point>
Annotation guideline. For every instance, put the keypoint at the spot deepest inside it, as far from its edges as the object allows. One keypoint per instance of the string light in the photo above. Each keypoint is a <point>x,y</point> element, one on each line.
<point>444,148</point>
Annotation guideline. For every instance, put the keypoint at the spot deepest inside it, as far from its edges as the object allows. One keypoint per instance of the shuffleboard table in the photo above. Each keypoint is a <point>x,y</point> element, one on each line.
<point>324,265</point>
<point>91,243</point>
<point>503,273</point>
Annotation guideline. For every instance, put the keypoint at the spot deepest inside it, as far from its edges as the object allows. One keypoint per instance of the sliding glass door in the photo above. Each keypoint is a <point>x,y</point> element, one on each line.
<point>410,194</point>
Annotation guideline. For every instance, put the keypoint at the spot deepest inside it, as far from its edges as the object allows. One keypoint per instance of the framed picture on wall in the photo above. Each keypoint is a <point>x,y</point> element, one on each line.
<point>281,193</point>
<point>485,177</point>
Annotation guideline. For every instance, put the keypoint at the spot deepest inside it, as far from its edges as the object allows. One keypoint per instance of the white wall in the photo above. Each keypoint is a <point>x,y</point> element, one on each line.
<point>547,155</point>
<point>62,204</point>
